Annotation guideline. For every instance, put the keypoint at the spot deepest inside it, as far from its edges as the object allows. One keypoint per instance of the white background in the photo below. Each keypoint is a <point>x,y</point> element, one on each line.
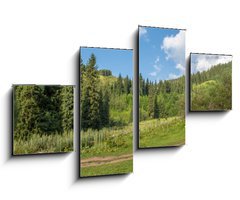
<point>39,43</point>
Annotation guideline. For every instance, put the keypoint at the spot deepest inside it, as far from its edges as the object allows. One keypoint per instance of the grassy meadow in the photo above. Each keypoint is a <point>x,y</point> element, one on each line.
<point>37,144</point>
<point>162,132</point>
<point>43,119</point>
<point>106,121</point>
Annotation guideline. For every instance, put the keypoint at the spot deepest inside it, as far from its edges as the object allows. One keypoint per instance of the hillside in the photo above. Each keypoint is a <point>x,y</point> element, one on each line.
<point>217,72</point>
<point>212,89</point>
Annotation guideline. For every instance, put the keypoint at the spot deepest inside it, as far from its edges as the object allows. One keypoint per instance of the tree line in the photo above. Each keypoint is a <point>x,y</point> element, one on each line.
<point>96,94</point>
<point>42,110</point>
<point>161,99</point>
<point>220,72</point>
<point>162,87</point>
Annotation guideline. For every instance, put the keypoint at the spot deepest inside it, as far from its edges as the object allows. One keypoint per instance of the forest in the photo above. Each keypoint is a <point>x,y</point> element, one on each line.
<point>43,119</point>
<point>211,90</point>
<point>105,120</point>
<point>161,112</point>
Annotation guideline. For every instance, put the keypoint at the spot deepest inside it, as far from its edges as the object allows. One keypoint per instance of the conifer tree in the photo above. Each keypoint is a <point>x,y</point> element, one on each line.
<point>147,86</point>
<point>151,103</point>
<point>105,113</point>
<point>155,108</point>
<point>120,87</point>
<point>67,108</point>
<point>28,110</point>
<point>140,84</point>
<point>90,96</point>
<point>50,120</point>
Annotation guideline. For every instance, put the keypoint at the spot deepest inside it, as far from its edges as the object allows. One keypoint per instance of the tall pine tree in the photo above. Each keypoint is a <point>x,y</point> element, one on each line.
<point>90,96</point>
<point>28,110</point>
<point>67,108</point>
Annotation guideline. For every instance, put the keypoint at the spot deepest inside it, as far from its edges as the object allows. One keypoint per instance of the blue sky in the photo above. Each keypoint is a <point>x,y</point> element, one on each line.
<point>117,60</point>
<point>161,53</point>
<point>203,62</point>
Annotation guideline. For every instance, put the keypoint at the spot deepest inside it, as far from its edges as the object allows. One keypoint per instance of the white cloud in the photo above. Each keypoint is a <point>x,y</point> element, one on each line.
<point>174,48</point>
<point>157,60</point>
<point>173,76</point>
<point>203,62</point>
<point>156,66</point>
<point>181,68</point>
<point>142,31</point>
<point>153,74</point>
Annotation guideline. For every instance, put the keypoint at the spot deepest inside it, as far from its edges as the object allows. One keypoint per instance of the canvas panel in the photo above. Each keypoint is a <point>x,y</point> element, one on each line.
<point>210,82</point>
<point>161,87</point>
<point>42,119</point>
<point>106,116</point>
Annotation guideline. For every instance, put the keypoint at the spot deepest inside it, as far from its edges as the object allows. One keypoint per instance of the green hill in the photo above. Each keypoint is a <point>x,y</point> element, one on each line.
<point>212,89</point>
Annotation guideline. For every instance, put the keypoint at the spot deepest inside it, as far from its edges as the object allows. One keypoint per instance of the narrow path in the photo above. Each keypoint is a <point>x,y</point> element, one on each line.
<point>96,161</point>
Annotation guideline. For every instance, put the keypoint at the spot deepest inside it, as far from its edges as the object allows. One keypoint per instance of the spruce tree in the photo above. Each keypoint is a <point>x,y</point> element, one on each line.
<point>28,111</point>
<point>67,108</point>
<point>105,113</point>
<point>156,108</point>
<point>140,84</point>
<point>50,120</point>
<point>147,87</point>
<point>120,86</point>
<point>151,103</point>
<point>90,96</point>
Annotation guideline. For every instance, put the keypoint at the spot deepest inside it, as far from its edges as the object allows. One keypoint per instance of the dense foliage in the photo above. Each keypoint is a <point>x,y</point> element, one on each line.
<point>212,89</point>
<point>105,100</point>
<point>42,110</point>
<point>163,99</point>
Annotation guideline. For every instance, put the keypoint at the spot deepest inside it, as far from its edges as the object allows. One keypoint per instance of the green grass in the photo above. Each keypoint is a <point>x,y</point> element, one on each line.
<point>113,141</point>
<point>108,169</point>
<point>162,132</point>
<point>106,142</point>
<point>37,144</point>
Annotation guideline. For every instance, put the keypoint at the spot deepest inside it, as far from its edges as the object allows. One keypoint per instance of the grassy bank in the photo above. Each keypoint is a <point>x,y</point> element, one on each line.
<point>116,168</point>
<point>162,132</point>
<point>37,144</point>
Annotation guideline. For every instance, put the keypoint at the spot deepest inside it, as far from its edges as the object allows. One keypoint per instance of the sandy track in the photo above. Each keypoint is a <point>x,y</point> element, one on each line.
<point>96,161</point>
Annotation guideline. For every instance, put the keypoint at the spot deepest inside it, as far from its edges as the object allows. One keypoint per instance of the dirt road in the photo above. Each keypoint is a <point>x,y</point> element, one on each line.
<point>96,161</point>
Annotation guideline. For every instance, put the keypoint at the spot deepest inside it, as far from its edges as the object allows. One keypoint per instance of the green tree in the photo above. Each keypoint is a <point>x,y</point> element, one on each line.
<point>50,120</point>
<point>67,108</point>
<point>105,109</point>
<point>120,87</point>
<point>28,110</point>
<point>156,108</point>
<point>151,103</point>
<point>90,96</point>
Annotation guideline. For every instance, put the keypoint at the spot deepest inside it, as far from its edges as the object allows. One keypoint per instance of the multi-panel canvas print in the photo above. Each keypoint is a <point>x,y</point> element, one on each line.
<point>210,82</point>
<point>42,119</point>
<point>161,87</point>
<point>106,111</point>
